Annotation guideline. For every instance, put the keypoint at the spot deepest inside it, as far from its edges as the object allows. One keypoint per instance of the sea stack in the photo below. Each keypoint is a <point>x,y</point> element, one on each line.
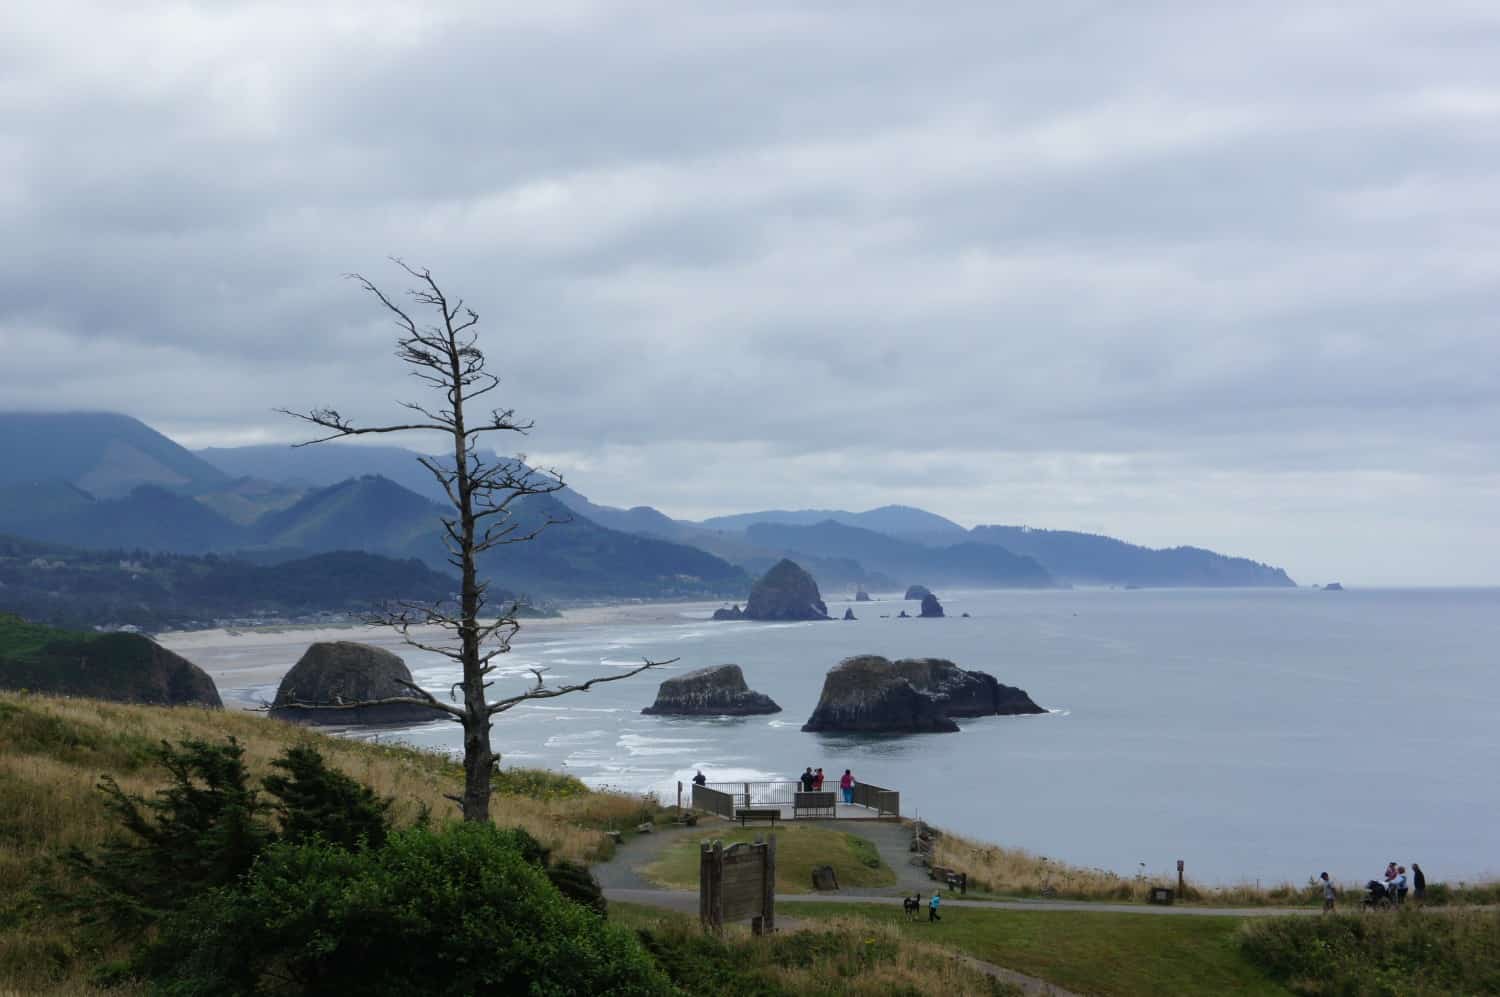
<point>931,608</point>
<point>962,692</point>
<point>872,694</point>
<point>342,671</point>
<point>786,592</point>
<point>865,695</point>
<point>849,614</point>
<point>717,691</point>
<point>916,593</point>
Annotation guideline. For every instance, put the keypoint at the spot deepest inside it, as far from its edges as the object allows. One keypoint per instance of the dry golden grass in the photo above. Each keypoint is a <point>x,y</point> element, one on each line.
<point>53,751</point>
<point>1017,872</point>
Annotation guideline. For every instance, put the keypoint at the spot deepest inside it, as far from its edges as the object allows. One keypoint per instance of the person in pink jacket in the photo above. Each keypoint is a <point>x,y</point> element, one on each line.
<point>847,785</point>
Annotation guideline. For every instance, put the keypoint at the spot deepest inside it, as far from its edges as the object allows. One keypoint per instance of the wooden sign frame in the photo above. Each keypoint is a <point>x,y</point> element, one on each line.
<point>736,883</point>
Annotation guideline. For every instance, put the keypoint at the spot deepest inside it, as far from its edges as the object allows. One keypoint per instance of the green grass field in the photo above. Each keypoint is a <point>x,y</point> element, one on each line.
<point>798,849</point>
<point>1113,954</point>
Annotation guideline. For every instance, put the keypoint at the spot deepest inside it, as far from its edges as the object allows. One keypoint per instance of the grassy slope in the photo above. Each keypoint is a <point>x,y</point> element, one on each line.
<point>52,752</point>
<point>1115,954</point>
<point>798,849</point>
<point>838,956</point>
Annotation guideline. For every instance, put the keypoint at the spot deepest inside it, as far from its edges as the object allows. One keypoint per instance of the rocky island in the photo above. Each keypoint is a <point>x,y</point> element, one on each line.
<point>717,691</point>
<point>786,592</point>
<point>871,694</point>
<point>931,608</point>
<point>342,671</point>
<point>865,695</point>
<point>917,592</point>
<point>962,692</point>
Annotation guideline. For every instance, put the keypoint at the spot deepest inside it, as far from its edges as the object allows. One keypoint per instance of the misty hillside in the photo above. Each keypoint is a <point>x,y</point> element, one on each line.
<point>906,561</point>
<point>1084,558</point>
<point>105,454</point>
<point>901,521</point>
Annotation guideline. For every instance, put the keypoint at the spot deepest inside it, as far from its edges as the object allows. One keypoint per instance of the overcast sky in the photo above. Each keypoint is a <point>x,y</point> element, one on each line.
<point>1172,271</point>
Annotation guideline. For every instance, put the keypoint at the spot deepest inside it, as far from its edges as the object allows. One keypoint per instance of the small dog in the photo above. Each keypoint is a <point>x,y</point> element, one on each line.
<point>911,905</point>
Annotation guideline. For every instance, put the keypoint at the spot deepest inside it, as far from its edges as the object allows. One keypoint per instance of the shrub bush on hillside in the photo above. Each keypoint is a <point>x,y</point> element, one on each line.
<point>206,828</point>
<point>1409,953</point>
<point>454,911</point>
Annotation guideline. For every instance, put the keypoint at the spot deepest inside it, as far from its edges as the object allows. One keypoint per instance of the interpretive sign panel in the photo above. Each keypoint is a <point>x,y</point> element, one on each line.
<point>737,883</point>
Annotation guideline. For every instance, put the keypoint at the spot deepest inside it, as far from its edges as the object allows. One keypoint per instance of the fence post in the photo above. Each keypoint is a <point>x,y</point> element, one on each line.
<point>770,885</point>
<point>679,797</point>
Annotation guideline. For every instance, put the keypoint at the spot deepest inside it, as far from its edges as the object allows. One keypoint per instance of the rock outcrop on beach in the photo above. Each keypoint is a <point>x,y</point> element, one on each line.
<point>849,614</point>
<point>786,592</point>
<point>710,692</point>
<point>861,595</point>
<point>344,672</point>
<point>122,667</point>
<point>931,608</point>
<point>1333,587</point>
<point>916,592</point>
<point>962,692</point>
<point>866,695</point>
<point>729,614</point>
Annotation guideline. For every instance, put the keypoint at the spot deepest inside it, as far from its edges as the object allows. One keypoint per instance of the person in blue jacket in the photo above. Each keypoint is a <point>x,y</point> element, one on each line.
<point>932,907</point>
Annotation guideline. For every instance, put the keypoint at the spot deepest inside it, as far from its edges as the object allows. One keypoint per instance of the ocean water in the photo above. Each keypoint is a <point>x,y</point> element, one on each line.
<point>1255,734</point>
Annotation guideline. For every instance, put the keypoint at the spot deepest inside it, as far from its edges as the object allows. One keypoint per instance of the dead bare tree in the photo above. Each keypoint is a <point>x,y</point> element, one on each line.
<point>483,491</point>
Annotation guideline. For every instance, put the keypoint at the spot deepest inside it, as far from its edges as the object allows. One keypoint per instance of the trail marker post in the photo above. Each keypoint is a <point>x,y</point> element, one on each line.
<point>1181,889</point>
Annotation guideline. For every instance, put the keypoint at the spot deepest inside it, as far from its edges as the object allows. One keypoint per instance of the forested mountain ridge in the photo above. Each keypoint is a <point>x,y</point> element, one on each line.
<point>1085,558</point>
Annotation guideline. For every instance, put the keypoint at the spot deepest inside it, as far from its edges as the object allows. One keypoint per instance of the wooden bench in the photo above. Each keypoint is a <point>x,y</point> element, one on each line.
<point>744,814</point>
<point>815,804</point>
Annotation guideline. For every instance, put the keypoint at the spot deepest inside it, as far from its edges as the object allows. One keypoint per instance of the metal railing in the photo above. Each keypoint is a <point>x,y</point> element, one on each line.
<point>885,802</point>
<point>759,794</point>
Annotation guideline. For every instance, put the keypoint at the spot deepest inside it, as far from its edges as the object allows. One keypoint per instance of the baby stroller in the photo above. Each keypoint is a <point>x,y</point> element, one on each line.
<point>1378,896</point>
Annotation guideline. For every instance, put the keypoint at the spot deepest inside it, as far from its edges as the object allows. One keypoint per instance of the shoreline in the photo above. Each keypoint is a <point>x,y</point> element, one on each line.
<point>236,658</point>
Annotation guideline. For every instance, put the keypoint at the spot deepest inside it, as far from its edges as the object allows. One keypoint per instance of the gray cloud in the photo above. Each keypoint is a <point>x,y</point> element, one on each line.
<point>1168,271</point>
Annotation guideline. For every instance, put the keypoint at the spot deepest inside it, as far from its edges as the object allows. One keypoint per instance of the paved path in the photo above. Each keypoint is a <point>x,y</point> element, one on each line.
<point>623,880</point>
<point>682,900</point>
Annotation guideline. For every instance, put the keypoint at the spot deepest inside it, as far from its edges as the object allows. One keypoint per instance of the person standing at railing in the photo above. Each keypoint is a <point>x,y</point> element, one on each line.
<point>700,779</point>
<point>807,780</point>
<point>818,781</point>
<point>846,783</point>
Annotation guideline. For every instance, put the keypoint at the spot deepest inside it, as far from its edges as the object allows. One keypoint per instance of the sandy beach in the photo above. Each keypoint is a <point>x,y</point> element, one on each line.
<point>257,657</point>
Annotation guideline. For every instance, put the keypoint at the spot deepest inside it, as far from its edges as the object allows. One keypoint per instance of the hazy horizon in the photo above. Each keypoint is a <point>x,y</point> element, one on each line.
<point>1179,275</point>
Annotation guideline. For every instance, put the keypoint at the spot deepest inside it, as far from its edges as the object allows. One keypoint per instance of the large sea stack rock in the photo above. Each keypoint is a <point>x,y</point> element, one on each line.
<point>916,592</point>
<point>931,608</point>
<point>122,667</point>
<point>865,695</point>
<point>710,692</point>
<point>964,693</point>
<point>343,671</point>
<point>786,592</point>
<point>861,595</point>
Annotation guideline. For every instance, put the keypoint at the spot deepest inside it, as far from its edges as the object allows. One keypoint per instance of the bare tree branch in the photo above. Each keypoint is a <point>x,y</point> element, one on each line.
<point>540,691</point>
